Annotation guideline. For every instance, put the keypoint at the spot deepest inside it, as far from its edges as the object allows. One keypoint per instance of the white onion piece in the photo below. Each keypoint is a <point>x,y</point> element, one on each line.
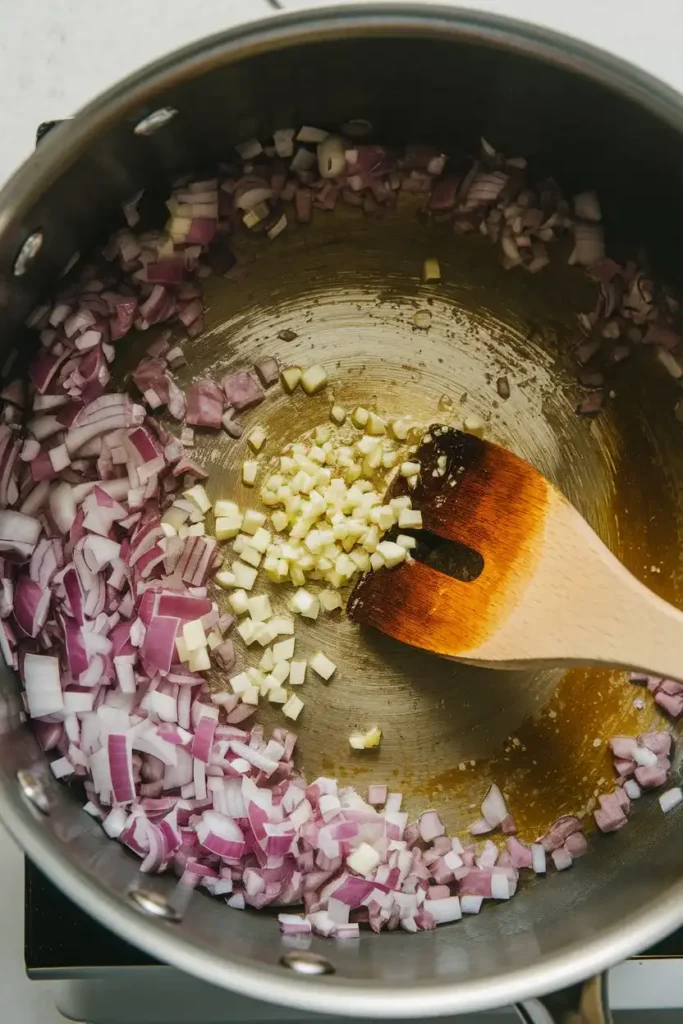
<point>62,506</point>
<point>538,859</point>
<point>670,799</point>
<point>19,535</point>
<point>643,756</point>
<point>446,910</point>
<point>471,904</point>
<point>35,500</point>
<point>43,686</point>
<point>500,886</point>
<point>117,489</point>
<point>587,206</point>
<point>632,789</point>
<point>481,827</point>
<point>494,808</point>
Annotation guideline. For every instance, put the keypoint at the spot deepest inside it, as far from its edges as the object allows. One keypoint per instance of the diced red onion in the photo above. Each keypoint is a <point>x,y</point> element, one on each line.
<point>242,390</point>
<point>562,859</point>
<point>204,404</point>
<point>109,597</point>
<point>480,827</point>
<point>31,605</point>
<point>430,826</point>
<point>558,832</point>
<point>520,855</point>
<point>268,371</point>
<point>121,768</point>
<point>158,647</point>
<point>576,845</point>
<point>377,795</point>
<point>610,816</point>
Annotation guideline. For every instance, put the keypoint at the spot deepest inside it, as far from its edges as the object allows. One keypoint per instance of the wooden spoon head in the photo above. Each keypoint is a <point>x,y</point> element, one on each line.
<point>483,497</point>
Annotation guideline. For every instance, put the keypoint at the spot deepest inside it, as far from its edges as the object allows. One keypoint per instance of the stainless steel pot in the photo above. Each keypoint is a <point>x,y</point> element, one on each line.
<point>431,74</point>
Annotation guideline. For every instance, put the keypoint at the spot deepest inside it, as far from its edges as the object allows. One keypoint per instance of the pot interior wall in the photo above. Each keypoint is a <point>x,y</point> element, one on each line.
<point>446,91</point>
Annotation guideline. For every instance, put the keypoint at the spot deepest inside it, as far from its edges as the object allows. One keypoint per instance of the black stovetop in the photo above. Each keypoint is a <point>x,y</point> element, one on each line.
<point>58,935</point>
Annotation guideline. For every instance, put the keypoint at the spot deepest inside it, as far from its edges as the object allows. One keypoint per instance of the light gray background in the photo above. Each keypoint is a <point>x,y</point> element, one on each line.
<point>55,55</point>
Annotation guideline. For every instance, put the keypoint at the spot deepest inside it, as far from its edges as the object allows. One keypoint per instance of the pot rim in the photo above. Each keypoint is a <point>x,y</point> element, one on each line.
<point>162,940</point>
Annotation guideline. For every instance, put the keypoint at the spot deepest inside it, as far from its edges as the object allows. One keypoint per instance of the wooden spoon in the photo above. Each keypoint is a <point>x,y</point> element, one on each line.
<point>549,591</point>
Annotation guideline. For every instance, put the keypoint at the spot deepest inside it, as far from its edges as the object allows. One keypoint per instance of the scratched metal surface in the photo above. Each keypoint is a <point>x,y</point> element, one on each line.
<point>348,287</point>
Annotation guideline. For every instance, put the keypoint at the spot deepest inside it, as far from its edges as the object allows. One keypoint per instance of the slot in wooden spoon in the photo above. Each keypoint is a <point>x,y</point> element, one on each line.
<point>549,592</point>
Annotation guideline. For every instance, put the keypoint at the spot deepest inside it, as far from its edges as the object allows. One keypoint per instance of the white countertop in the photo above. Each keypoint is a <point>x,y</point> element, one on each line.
<point>55,55</point>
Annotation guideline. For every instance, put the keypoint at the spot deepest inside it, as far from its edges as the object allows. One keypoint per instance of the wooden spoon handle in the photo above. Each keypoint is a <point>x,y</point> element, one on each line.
<point>582,606</point>
<point>650,636</point>
<point>628,625</point>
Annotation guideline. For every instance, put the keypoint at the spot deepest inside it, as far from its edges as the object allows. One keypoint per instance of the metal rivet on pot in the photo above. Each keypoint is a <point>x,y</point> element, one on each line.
<point>306,963</point>
<point>33,789</point>
<point>154,904</point>
<point>150,124</point>
<point>28,252</point>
